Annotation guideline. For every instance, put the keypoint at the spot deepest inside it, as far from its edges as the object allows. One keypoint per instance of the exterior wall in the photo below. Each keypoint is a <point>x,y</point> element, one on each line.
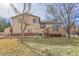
<point>49,29</point>
<point>33,27</point>
<point>74,30</point>
<point>7,30</point>
<point>63,32</point>
<point>48,25</point>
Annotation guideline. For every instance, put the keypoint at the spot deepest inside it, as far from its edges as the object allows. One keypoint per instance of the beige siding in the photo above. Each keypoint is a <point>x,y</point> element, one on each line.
<point>7,30</point>
<point>48,25</point>
<point>34,27</point>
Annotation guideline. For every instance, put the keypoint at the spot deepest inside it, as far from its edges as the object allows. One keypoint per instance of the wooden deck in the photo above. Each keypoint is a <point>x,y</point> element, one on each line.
<point>25,34</point>
<point>54,34</point>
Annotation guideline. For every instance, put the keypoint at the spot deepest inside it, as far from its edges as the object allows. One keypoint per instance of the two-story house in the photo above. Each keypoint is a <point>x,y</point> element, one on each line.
<point>33,24</point>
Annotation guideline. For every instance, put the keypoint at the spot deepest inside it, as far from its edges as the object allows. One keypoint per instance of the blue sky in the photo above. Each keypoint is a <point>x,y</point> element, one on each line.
<point>38,9</point>
<point>7,11</point>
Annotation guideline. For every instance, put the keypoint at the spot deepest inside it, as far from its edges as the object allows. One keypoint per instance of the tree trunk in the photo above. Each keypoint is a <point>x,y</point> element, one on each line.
<point>69,38</point>
<point>68,35</point>
<point>21,40</point>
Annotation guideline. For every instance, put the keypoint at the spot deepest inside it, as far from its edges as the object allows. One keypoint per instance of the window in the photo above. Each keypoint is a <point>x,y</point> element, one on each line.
<point>42,26</point>
<point>56,27</point>
<point>29,30</point>
<point>34,20</point>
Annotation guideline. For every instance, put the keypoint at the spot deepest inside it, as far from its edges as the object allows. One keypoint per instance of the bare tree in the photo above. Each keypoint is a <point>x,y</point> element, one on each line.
<point>23,20</point>
<point>63,12</point>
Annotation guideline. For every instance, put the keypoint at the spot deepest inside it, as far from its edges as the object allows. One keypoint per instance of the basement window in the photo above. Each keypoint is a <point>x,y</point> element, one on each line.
<point>29,30</point>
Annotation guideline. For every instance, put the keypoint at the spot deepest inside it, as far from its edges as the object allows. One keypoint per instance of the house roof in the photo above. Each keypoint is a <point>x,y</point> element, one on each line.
<point>54,21</point>
<point>25,14</point>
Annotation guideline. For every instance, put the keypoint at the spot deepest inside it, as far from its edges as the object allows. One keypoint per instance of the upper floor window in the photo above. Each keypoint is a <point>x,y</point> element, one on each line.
<point>34,20</point>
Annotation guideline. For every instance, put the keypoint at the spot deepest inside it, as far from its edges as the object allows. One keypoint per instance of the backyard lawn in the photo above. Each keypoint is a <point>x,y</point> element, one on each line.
<point>58,46</point>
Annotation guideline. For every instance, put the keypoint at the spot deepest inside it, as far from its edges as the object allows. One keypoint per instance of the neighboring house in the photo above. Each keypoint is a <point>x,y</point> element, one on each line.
<point>52,27</point>
<point>74,30</point>
<point>55,27</point>
<point>33,24</point>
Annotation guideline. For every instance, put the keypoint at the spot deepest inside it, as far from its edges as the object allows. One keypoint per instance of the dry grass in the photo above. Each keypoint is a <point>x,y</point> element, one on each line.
<point>11,47</point>
<point>39,46</point>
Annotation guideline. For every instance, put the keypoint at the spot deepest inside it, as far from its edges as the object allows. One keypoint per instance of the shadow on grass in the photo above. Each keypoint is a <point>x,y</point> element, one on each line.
<point>51,41</point>
<point>48,41</point>
<point>35,50</point>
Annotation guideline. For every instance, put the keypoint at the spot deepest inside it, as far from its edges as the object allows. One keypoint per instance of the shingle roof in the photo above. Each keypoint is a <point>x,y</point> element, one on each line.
<point>25,14</point>
<point>51,21</point>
